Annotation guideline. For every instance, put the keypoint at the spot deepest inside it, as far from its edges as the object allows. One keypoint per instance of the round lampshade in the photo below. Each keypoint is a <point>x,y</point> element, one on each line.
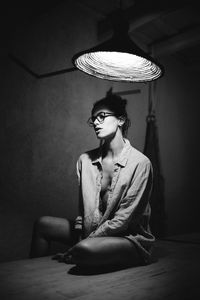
<point>118,66</point>
<point>118,59</point>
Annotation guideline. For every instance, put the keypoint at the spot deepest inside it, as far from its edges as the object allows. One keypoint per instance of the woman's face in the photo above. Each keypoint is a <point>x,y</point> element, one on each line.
<point>106,123</point>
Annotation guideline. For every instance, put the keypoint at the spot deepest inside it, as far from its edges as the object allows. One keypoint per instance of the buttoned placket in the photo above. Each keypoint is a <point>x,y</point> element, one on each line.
<point>98,182</point>
<point>99,177</point>
<point>114,181</point>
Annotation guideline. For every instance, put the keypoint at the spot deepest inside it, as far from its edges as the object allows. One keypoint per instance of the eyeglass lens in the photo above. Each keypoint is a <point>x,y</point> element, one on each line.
<point>99,117</point>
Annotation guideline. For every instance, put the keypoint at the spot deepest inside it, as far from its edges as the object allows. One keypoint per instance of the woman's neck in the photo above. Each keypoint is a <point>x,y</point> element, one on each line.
<point>113,147</point>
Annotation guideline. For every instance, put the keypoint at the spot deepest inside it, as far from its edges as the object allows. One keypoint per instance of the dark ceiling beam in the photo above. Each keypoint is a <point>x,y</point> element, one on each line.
<point>140,13</point>
<point>138,17</point>
<point>22,65</point>
<point>166,28</point>
<point>105,29</point>
<point>177,42</point>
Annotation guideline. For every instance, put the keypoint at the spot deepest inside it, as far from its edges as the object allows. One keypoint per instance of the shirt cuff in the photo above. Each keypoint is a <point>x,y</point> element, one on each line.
<point>78,223</point>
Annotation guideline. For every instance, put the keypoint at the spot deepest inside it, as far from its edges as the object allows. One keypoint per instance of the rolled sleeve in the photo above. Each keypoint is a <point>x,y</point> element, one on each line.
<point>78,223</point>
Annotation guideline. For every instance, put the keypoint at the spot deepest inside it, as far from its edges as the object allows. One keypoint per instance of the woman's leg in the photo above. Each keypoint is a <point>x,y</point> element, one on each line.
<point>47,229</point>
<point>104,251</point>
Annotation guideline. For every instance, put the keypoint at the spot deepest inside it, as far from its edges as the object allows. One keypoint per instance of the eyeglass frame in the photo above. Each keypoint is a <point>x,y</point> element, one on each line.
<point>90,121</point>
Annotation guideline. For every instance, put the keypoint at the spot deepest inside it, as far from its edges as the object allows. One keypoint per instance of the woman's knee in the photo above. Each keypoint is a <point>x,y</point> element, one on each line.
<point>42,224</point>
<point>82,254</point>
<point>95,246</point>
<point>87,249</point>
<point>53,228</point>
<point>105,251</point>
<point>83,248</point>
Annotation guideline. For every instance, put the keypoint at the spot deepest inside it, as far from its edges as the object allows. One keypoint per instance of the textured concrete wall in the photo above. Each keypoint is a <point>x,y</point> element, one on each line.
<point>43,127</point>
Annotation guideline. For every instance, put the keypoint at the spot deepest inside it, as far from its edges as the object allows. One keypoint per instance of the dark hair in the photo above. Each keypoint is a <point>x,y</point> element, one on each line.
<point>117,105</point>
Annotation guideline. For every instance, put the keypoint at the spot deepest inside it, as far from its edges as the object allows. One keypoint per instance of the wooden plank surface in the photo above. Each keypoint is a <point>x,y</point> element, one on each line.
<point>174,274</point>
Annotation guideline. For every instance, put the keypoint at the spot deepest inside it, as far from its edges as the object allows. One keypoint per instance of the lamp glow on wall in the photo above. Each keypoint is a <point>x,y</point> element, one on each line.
<point>119,58</point>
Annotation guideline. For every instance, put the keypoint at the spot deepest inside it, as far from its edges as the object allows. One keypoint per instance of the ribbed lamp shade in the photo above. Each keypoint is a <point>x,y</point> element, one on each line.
<point>118,59</point>
<point>118,66</point>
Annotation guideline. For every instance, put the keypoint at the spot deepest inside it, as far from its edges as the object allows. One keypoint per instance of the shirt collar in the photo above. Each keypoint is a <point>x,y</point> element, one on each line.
<point>121,160</point>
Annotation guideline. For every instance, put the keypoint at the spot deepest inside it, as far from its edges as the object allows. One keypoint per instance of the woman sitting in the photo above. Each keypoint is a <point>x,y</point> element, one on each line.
<point>115,182</point>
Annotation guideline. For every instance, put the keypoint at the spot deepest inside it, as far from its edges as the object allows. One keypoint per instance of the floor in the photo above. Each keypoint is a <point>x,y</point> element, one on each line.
<point>173,275</point>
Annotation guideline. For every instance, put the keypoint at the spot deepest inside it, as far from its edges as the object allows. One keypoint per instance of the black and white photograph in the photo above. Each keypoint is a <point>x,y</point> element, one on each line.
<point>99,150</point>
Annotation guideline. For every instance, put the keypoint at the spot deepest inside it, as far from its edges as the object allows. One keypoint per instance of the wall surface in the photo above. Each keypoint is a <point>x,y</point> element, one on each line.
<point>178,115</point>
<point>43,128</point>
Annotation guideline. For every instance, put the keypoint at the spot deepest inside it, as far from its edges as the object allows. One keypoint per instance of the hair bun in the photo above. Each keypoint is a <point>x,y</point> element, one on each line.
<point>115,97</point>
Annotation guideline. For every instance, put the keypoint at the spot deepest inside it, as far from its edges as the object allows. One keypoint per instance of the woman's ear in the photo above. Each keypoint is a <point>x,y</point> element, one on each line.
<point>121,121</point>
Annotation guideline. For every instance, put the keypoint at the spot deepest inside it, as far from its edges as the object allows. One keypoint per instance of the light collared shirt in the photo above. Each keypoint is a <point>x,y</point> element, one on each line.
<point>128,211</point>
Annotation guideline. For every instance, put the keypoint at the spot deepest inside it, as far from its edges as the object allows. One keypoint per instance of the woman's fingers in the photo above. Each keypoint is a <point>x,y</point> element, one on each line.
<point>57,255</point>
<point>68,259</point>
<point>65,257</point>
<point>69,251</point>
<point>60,256</point>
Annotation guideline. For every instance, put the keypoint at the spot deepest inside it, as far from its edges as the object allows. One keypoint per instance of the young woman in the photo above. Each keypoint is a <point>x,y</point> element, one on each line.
<point>115,182</point>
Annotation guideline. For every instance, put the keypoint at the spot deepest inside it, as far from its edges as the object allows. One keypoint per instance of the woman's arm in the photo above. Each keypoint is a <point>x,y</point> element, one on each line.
<point>132,206</point>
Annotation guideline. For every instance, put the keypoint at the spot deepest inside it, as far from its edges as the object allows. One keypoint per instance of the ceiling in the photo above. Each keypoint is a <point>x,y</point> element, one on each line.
<point>168,28</point>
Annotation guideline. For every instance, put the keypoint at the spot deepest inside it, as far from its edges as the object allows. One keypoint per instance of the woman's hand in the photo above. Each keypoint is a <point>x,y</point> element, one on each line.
<point>65,257</point>
<point>60,256</point>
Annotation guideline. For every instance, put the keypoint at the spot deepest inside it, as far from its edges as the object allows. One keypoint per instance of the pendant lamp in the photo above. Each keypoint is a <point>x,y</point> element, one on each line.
<point>119,58</point>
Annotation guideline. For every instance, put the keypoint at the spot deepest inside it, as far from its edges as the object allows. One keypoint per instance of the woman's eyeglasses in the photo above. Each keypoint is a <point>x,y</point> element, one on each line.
<point>100,117</point>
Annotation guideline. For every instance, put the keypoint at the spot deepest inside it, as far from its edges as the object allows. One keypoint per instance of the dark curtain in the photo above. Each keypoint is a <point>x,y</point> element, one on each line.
<point>157,201</point>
